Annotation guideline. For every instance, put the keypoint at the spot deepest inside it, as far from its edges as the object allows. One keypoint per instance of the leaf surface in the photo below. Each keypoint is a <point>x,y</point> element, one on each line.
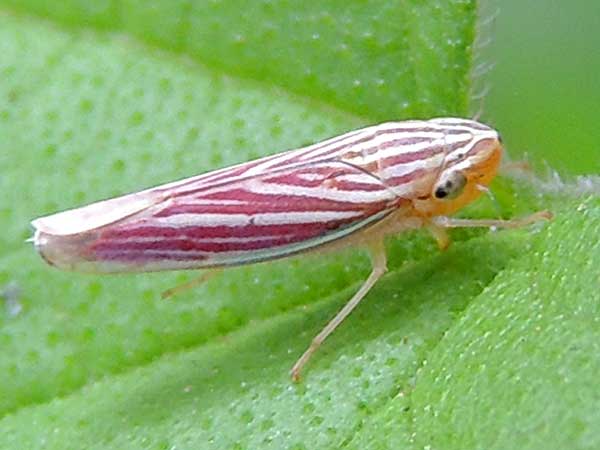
<point>110,97</point>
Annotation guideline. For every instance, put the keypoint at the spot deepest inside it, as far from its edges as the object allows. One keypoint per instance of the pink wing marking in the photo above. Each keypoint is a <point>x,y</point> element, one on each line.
<point>263,217</point>
<point>112,211</point>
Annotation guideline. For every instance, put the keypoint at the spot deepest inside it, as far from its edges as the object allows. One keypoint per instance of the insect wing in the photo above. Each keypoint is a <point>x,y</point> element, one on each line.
<point>106,212</point>
<point>263,209</point>
<point>263,217</point>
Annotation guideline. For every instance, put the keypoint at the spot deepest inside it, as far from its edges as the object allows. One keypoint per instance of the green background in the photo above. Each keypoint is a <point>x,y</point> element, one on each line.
<point>544,89</point>
<point>492,344</point>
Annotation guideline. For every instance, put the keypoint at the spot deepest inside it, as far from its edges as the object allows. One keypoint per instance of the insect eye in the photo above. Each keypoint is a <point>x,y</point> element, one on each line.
<point>450,186</point>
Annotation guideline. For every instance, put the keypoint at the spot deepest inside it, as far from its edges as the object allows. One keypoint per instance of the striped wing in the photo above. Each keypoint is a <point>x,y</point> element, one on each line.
<point>267,208</point>
<point>107,212</point>
<point>254,219</point>
<point>404,150</point>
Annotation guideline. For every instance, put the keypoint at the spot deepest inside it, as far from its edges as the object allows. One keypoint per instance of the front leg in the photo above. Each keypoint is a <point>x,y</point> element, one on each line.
<point>440,235</point>
<point>449,222</point>
<point>439,224</point>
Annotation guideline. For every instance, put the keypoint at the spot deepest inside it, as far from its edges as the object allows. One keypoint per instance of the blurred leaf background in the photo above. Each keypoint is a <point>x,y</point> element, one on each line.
<point>493,344</point>
<point>544,93</point>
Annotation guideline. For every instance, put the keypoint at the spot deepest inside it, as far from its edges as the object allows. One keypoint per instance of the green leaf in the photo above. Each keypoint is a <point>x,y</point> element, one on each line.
<point>373,58</point>
<point>111,97</point>
<point>517,367</point>
<point>544,92</point>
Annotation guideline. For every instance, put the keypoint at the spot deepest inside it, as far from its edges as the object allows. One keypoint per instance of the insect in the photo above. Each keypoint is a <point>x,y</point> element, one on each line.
<point>353,189</point>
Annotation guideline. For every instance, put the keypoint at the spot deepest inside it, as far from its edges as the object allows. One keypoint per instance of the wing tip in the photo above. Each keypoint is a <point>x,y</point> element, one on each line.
<point>94,216</point>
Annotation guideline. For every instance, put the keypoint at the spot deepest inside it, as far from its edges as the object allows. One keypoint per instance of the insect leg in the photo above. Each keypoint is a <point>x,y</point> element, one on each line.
<point>205,276</point>
<point>379,264</point>
<point>448,222</point>
<point>440,235</point>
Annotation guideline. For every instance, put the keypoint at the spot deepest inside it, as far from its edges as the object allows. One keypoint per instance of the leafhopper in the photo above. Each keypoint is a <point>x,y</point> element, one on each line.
<point>353,189</point>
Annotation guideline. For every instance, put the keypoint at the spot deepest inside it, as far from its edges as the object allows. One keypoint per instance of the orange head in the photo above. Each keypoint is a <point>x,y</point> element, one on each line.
<point>466,170</point>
